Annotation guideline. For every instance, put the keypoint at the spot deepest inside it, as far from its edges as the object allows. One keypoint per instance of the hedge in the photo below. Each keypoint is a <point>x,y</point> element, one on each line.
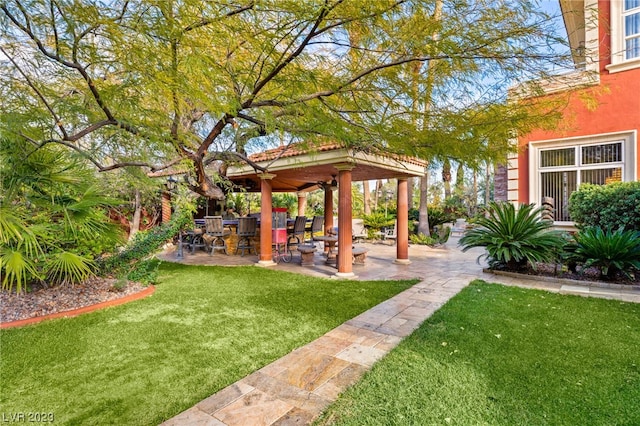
<point>612,206</point>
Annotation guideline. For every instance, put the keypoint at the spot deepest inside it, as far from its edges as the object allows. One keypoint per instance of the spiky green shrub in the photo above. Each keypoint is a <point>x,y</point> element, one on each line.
<point>53,216</point>
<point>512,238</point>
<point>377,221</point>
<point>440,236</point>
<point>612,252</point>
<point>423,240</point>
<point>606,206</point>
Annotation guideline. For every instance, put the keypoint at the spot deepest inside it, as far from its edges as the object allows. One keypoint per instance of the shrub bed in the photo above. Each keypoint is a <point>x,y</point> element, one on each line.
<point>612,206</point>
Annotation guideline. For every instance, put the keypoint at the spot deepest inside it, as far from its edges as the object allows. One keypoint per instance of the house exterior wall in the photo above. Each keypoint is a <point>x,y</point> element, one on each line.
<point>611,106</point>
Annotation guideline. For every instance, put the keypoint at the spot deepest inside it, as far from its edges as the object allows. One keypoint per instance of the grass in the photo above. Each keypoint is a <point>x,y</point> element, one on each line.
<point>507,356</point>
<point>203,329</point>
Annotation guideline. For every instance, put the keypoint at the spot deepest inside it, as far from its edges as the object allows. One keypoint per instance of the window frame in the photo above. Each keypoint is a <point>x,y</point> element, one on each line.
<point>628,164</point>
<point>619,61</point>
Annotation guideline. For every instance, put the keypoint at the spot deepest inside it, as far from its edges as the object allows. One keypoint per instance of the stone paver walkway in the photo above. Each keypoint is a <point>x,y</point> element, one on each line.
<point>296,388</point>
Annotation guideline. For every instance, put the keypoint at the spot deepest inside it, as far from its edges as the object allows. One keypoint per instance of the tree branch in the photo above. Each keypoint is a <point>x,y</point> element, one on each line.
<point>90,129</point>
<point>205,22</point>
<point>84,154</point>
<point>288,60</point>
<point>214,133</point>
<point>59,59</point>
<point>38,93</point>
<point>230,156</point>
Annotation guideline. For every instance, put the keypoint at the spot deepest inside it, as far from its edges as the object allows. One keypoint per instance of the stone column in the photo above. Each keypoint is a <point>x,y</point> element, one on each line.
<point>328,209</point>
<point>402,229</point>
<point>266,255</point>
<point>345,253</point>
<point>302,203</point>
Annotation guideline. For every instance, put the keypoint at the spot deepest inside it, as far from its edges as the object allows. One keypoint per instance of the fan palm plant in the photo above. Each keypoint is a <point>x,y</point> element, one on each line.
<point>513,237</point>
<point>52,219</point>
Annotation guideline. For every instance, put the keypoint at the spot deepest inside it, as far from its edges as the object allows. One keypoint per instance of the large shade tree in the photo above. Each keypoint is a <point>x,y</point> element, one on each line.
<point>190,86</point>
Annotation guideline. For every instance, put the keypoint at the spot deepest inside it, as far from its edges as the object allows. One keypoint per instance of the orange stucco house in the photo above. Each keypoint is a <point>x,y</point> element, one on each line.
<point>597,139</point>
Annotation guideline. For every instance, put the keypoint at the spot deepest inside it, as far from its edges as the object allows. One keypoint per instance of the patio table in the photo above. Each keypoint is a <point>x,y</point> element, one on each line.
<point>330,241</point>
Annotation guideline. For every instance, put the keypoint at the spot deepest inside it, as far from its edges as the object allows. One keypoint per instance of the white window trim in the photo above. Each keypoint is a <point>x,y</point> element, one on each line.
<point>618,62</point>
<point>629,140</point>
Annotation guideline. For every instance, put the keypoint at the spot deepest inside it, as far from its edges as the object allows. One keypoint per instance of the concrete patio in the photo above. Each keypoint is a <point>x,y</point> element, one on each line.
<point>296,388</point>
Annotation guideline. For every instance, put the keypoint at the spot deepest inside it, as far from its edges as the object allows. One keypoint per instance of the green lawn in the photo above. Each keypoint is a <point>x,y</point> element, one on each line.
<point>204,328</point>
<point>496,355</point>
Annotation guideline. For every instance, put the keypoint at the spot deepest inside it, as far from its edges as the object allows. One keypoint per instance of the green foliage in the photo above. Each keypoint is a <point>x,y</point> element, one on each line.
<point>288,201</point>
<point>424,240</point>
<point>414,215</point>
<point>145,272</point>
<point>66,267</point>
<point>128,261</point>
<point>442,233</point>
<point>53,216</point>
<point>611,252</point>
<point>377,221</point>
<point>132,185</point>
<point>120,284</point>
<point>513,238</point>
<point>440,236</point>
<point>439,215</point>
<point>315,203</point>
<point>239,202</point>
<point>141,92</point>
<point>606,206</point>
<point>18,269</point>
<point>455,207</point>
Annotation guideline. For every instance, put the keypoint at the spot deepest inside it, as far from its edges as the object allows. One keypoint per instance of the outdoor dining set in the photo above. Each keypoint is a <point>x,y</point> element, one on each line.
<point>241,235</point>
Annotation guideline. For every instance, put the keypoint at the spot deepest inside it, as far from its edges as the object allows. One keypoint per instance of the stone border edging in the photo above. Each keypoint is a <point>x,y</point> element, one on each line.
<point>568,281</point>
<point>85,309</point>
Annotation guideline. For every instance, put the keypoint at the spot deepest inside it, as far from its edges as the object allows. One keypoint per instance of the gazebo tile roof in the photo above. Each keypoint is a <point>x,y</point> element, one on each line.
<point>294,150</point>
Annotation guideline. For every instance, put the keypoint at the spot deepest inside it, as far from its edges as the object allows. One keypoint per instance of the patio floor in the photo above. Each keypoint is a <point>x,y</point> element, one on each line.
<point>296,388</point>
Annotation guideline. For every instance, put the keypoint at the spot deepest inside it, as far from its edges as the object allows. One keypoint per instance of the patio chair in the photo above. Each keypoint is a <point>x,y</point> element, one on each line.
<point>297,235</point>
<point>391,233</point>
<point>247,228</point>
<point>214,228</point>
<point>358,231</point>
<point>316,228</point>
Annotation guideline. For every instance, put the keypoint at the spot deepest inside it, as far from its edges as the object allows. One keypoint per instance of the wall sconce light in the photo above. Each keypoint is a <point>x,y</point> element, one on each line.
<point>334,183</point>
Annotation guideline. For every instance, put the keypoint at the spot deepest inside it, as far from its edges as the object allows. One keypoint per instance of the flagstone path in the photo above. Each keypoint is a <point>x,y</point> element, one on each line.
<point>295,389</point>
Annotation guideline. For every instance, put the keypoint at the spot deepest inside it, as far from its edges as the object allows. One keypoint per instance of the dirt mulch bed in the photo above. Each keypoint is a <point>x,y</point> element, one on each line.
<point>45,301</point>
<point>589,275</point>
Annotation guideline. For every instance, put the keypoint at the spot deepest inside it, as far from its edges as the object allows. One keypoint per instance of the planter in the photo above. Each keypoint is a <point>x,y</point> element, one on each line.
<point>567,281</point>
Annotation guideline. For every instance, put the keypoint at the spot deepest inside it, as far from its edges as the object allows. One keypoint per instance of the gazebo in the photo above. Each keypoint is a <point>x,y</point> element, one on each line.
<point>295,168</point>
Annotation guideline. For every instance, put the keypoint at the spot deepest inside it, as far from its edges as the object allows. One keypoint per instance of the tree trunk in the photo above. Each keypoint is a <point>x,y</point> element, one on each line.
<point>423,213</point>
<point>376,195</point>
<point>460,179</point>
<point>366,197</point>
<point>474,203</point>
<point>134,225</point>
<point>487,191</point>
<point>446,178</point>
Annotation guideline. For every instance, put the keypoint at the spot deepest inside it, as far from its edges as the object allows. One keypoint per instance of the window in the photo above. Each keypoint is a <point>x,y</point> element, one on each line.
<point>560,167</point>
<point>625,35</point>
<point>631,18</point>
